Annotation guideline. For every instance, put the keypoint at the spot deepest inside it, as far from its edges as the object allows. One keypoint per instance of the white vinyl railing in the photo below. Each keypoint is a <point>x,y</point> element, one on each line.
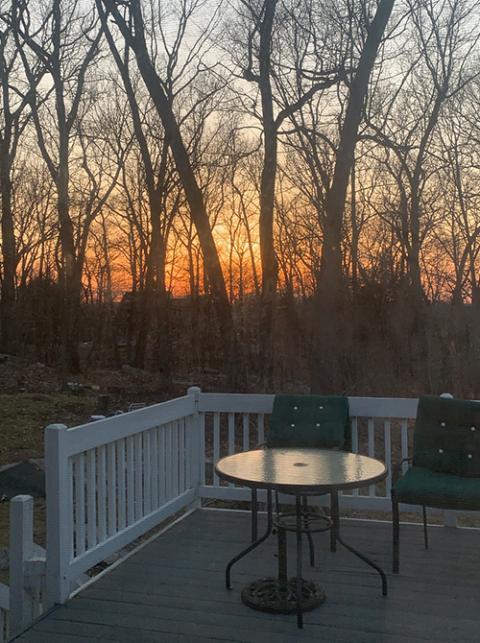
<point>381,428</point>
<point>110,481</point>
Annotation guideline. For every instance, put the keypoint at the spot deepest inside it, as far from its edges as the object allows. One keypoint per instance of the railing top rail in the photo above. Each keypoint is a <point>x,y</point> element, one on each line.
<point>383,407</point>
<point>372,407</point>
<point>95,434</point>
<point>235,402</point>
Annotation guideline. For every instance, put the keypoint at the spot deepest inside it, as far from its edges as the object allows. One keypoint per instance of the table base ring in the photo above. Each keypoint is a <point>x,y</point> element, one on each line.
<point>313,523</point>
<point>269,595</point>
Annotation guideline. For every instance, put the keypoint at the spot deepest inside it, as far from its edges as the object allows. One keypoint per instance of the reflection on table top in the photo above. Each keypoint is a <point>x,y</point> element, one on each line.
<point>300,469</point>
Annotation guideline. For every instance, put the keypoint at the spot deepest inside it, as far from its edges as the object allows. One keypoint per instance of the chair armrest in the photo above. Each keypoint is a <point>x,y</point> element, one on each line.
<point>397,469</point>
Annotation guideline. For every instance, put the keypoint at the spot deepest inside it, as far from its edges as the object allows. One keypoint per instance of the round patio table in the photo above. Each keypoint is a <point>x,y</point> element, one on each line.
<point>296,472</point>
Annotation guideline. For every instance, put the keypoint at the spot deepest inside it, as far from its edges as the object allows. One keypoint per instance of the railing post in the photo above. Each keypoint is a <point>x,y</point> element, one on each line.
<point>21,550</point>
<point>196,445</point>
<point>4,612</point>
<point>59,514</point>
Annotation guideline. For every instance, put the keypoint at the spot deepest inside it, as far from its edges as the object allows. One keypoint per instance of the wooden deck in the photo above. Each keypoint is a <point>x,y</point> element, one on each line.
<point>173,590</point>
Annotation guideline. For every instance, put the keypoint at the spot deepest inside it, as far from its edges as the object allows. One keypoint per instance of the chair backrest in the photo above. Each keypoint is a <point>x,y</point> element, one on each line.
<point>447,436</point>
<point>315,421</point>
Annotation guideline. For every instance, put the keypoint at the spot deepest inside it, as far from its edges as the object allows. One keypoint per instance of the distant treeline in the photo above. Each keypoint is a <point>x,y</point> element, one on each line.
<point>380,354</point>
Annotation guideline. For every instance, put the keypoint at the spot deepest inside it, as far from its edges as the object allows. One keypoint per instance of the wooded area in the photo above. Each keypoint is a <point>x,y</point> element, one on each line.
<point>281,191</point>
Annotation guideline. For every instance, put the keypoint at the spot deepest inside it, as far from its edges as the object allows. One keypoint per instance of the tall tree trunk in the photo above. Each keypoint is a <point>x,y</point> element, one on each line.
<point>331,295</point>
<point>9,257</point>
<point>198,210</point>
<point>153,302</point>
<point>267,196</point>
<point>70,278</point>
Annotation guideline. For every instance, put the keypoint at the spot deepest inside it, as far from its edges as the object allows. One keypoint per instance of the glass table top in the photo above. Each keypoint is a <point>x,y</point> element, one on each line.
<point>300,469</point>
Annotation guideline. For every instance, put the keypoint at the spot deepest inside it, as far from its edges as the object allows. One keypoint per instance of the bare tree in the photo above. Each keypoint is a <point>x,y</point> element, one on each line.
<point>65,40</point>
<point>328,147</point>
<point>267,26</point>
<point>331,286</point>
<point>130,22</point>
<point>440,66</point>
<point>15,97</point>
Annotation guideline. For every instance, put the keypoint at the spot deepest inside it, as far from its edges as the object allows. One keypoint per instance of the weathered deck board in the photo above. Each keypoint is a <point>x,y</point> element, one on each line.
<point>173,590</point>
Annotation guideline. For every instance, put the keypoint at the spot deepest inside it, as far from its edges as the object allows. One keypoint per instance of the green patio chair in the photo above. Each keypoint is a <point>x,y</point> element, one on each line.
<point>310,421</point>
<point>445,471</point>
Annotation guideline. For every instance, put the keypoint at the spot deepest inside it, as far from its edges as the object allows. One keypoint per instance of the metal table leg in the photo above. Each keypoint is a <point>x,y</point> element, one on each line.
<point>307,531</point>
<point>254,544</point>
<point>299,563</point>
<point>377,568</point>
<point>254,516</point>
<point>282,559</point>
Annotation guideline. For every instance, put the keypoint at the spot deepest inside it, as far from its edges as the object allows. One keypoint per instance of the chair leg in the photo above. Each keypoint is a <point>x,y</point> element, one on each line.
<point>254,505</point>
<point>307,531</point>
<point>335,520</point>
<point>425,530</point>
<point>396,533</point>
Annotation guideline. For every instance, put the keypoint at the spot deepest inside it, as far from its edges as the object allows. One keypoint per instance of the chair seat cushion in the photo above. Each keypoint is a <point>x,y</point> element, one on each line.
<point>421,486</point>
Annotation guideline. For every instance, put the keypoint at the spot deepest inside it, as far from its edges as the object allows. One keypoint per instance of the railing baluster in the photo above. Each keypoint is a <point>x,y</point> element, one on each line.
<point>216,445</point>
<point>102,494</point>
<point>371,449</point>
<point>187,422</point>
<point>388,454</point>
<point>147,473</point>
<point>189,425</point>
<point>168,462</point>
<point>154,467</point>
<point>138,476</point>
<point>371,437</point>
<point>122,490</point>
<point>203,454</point>
<point>181,456</point>
<point>91,499</point>
<point>231,437</point>
<point>79,461</point>
<point>175,471</point>
<point>354,426</point>
<point>130,480</point>
<point>111,490</point>
<point>162,489</point>
<point>231,433</point>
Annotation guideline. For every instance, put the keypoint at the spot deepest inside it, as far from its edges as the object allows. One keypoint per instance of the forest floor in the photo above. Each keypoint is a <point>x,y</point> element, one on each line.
<point>24,416</point>
<point>32,396</point>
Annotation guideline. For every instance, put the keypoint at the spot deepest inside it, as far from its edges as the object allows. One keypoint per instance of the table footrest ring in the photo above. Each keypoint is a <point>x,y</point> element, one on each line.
<point>311,522</point>
<point>269,595</point>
